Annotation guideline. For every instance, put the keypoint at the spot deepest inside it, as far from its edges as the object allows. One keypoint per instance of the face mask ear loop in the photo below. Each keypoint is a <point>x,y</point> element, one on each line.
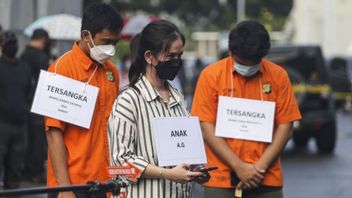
<point>90,36</point>
<point>57,62</point>
<point>90,78</point>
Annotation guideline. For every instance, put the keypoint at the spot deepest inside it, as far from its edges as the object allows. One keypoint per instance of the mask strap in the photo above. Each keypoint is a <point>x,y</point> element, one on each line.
<point>90,78</point>
<point>57,62</point>
<point>90,36</point>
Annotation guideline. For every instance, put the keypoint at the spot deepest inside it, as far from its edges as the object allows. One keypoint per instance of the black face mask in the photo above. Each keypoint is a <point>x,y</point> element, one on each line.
<point>168,69</point>
<point>10,50</point>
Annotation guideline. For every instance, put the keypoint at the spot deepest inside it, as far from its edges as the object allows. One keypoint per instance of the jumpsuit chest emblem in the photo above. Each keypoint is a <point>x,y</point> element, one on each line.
<point>267,88</point>
<point>110,76</point>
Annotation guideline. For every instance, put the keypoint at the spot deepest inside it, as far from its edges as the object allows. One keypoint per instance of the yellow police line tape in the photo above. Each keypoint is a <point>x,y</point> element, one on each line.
<point>320,89</point>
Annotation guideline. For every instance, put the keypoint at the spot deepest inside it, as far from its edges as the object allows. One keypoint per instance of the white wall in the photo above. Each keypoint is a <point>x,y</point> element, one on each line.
<point>324,22</point>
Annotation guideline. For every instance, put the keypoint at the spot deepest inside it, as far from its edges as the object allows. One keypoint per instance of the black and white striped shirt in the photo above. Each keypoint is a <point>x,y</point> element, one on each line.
<point>131,137</point>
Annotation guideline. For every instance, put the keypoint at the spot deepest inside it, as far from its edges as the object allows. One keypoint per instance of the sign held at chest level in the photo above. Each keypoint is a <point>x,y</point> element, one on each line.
<point>178,140</point>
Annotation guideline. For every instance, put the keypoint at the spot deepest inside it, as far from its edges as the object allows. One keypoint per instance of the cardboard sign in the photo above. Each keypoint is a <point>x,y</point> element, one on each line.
<point>64,99</point>
<point>178,140</point>
<point>245,119</point>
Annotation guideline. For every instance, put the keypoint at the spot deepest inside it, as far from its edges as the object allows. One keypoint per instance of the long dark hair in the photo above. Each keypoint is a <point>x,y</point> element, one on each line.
<point>156,37</point>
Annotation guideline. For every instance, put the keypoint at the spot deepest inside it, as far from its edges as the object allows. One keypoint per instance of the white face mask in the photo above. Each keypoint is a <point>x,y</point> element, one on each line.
<point>101,53</point>
<point>246,70</point>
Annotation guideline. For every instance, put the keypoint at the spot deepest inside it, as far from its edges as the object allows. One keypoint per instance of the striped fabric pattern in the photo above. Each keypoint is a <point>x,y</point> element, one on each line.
<point>131,137</point>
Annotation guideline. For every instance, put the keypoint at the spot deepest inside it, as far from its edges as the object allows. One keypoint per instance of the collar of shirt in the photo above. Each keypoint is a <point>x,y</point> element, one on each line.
<point>81,57</point>
<point>150,94</point>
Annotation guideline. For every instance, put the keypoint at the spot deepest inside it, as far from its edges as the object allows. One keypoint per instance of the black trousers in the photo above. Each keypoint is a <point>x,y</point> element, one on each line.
<point>12,148</point>
<point>36,153</point>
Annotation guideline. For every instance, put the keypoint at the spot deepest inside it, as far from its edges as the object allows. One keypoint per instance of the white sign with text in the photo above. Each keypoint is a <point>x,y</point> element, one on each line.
<point>178,140</point>
<point>64,99</point>
<point>245,119</point>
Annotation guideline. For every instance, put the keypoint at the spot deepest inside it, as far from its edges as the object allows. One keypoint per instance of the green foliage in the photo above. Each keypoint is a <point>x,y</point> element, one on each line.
<point>272,13</point>
<point>211,15</point>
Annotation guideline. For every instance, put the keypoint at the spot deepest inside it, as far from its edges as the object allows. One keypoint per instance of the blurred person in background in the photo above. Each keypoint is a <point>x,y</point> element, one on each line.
<point>37,59</point>
<point>340,81</point>
<point>123,71</point>
<point>51,50</point>
<point>0,43</point>
<point>15,84</point>
<point>35,53</point>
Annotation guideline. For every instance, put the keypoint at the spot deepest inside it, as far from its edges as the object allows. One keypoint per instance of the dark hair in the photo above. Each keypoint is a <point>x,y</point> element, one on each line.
<point>338,63</point>
<point>40,34</point>
<point>134,44</point>
<point>156,37</point>
<point>249,40</point>
<point>8,37</point>
<point>99,16</point>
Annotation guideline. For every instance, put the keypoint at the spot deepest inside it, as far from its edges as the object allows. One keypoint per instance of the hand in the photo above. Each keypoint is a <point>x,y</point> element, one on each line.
<point>66,195</point>
<point>181,174</point>
<point>202,179</point>
<point>250,176</point>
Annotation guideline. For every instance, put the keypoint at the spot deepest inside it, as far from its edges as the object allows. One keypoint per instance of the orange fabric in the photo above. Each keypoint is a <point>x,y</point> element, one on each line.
<point>215,81</point>
<point>87,149</point>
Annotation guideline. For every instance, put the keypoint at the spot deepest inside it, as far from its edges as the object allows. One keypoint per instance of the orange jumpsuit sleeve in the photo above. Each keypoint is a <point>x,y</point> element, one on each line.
<point>205,98</point>
<point>287,109</point>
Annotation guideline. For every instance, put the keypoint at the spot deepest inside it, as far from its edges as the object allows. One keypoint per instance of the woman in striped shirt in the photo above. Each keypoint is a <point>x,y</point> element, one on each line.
<point>157,59</point>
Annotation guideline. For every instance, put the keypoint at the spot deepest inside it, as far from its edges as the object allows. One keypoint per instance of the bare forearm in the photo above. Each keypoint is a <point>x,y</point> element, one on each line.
<point>58,155</point>
<point>152,171</point>
<point>219,146</point>
<point>179,173</point>
<point>282,134</point>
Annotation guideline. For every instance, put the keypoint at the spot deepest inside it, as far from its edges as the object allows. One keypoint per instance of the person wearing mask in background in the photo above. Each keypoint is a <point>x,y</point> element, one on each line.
<point>156,55</point>
<point>245,74</point>
<point>36,58</point>
<point>15,84</point>
<point>78,155</point>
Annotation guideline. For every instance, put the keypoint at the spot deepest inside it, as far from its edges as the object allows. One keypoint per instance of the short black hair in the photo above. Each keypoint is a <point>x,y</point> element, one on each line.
<point>40,34</point>
<point>99,16</point>
<point>249,40</point>
<point>8,37</point>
